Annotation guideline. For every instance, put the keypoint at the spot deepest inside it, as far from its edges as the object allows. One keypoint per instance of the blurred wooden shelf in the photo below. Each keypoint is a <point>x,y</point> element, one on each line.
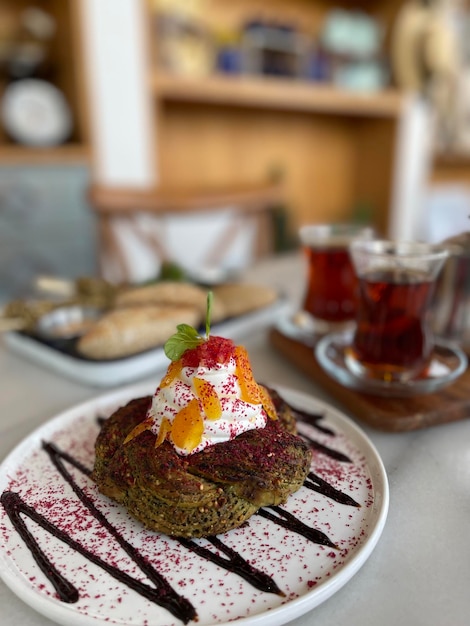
<point>451,168</point>
<point>63,68</point>
<point>280,94</point>
<point>335,149</point>
<point>58,155</point>
<point>452,159</point>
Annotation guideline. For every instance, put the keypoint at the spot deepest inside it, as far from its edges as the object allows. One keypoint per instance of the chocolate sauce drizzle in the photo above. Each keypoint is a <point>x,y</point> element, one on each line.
<point>235,564</point>
<point>289,521</point>
<point>162,593</point>
<point>319,447</point>
<point>312,419</point>
<point>315,483</point>
<point>15,506</point>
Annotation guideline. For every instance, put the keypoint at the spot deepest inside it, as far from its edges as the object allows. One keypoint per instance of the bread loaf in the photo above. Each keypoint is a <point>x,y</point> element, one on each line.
<point>165,292</point>
<point>172,293</point>
<point>126,331</point>
<point>240,298</point>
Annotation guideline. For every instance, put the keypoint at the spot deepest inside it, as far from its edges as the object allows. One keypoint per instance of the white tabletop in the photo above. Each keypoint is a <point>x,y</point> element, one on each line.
<point>419,572</point>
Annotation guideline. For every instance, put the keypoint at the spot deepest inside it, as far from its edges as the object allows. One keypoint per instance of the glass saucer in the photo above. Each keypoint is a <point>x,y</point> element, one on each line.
<point>447,364</point>
<point>303,327</point>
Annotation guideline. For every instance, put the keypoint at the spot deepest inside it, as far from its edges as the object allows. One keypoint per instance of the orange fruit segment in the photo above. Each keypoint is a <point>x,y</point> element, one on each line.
<point>208,396</point>
<point>188,427</point>
<point>249,388</point>
<point>145,425</point>
<point>173,371</point>
<point>165,428</point>
<point>267,402</point>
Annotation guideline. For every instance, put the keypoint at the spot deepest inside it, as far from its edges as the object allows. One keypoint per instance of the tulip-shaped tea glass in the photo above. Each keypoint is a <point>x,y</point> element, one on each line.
<point>393,339</point>
<point>331,289</point>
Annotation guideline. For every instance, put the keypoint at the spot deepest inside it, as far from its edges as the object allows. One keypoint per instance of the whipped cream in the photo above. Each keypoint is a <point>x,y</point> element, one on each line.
<point>236,415</point>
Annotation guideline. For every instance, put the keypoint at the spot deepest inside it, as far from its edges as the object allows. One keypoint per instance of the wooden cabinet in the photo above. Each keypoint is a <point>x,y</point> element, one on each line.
<point>62,69</point>
<point>452,168</point>
<point>334,149</point>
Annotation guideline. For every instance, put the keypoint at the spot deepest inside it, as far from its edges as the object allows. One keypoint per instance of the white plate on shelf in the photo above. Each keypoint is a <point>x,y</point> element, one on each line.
<point>305,571</point>
<point>132,368</point>
<point>36,113</point>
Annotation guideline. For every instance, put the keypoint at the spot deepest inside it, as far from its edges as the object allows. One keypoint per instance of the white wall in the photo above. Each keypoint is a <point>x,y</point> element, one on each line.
<point>117,61</point>
<point>411,169</point>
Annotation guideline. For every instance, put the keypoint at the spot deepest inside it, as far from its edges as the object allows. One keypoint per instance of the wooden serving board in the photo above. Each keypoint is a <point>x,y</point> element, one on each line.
<point>388,414</point>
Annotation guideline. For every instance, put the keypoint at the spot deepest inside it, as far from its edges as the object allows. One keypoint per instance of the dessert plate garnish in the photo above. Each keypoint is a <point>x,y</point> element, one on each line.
<point>447,363</point>
<point>210,448</point>
<point>106,567</point>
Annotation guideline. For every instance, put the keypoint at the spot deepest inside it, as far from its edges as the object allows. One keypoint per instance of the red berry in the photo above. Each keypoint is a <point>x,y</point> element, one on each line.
<point>214,350</point>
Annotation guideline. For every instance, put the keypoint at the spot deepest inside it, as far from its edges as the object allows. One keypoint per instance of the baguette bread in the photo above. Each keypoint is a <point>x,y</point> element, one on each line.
<point>240,298</point>
<point>123,332</point>
<point>165,292</point>
<point>171,293</point>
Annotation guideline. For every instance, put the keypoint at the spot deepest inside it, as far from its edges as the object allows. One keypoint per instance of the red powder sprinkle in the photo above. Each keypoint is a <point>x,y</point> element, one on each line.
<point>209,353</point>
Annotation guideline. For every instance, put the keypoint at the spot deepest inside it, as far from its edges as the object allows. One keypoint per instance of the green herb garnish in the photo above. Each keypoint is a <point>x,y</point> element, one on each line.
<point>187,337</point>
<point>210,298</point>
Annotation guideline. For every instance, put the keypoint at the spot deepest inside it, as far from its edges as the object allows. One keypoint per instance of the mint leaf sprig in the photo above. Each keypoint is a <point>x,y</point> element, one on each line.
<point>187,337</point>
<point>184,339</point>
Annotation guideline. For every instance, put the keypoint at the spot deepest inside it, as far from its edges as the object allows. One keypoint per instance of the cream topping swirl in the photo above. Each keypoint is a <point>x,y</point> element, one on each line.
<point>237,415</point>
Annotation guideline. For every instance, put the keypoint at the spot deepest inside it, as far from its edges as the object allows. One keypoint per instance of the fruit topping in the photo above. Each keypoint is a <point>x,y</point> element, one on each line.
<point>188,426</point>
<point>209,398</point>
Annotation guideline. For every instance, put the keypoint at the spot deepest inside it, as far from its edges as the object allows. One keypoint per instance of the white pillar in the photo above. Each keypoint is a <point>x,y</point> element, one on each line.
<point>413,157</point>
<point>117,60</point>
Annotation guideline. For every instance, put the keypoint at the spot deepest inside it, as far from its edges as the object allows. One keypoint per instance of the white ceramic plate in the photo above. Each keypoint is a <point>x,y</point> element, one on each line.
<point>306,572</point>
<point>36,113</point>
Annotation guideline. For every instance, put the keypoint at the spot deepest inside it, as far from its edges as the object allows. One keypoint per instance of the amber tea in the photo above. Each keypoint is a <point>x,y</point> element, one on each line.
<point>330,294</point>
<point>393,339</point>
<point>331,284</point>
<point>392,330</point>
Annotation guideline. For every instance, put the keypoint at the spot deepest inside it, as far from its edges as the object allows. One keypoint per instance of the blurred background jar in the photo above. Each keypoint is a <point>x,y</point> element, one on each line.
<point>452,299</point>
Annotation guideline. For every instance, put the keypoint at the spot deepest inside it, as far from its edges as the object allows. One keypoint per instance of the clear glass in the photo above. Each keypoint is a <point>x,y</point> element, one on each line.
<point>393,339</point>
<point>330,294</point>
<point>451,308</point>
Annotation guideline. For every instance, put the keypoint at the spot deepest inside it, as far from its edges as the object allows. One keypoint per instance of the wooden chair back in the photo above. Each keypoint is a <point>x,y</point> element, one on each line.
<point>222,227</point>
